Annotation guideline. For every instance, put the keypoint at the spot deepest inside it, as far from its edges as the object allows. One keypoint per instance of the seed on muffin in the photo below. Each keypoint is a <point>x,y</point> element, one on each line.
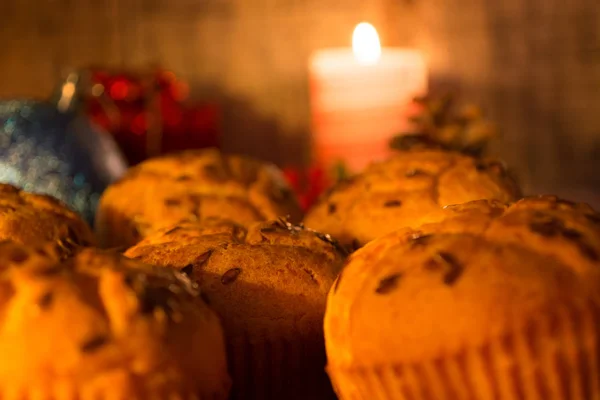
<point>588,251</point>
<point>411,173</point>
<point>546,228</point>
<point>46,300</point>
<point>174,229</point>
<point>49,271</point>
<point>392,203</point>
<point>453,273</point>
<point>172,202</point>
<point>202,258</point>
<point>94,344</point>
<point>388,283</point>
<point>419,238</point>
<point>18,255</point>
<point>215,173</point>
<point>230,276</point>
<point>595,218</point>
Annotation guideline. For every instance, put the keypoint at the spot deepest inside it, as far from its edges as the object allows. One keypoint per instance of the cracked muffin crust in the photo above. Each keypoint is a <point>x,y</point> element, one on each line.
<point>409,189</point>
<point>101,326</point>
<point>269,284</point>
<point>192,185</point>
<point>30,218</point>
<point>495,301</point>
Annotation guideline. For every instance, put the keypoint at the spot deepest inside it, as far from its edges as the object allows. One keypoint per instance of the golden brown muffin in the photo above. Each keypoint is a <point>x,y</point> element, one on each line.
<point>30,218</point>
<point>495,302</point>
<point>100,326</point>
<point>408,189</point>
<point>194,185</point>
<point>269,284</point>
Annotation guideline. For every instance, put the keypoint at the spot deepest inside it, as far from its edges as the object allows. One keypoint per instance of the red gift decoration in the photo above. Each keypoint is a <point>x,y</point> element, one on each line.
<point>149,114</point>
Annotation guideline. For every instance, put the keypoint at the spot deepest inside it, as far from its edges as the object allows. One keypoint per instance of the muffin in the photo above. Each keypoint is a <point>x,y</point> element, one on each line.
<point>194,184</point>
<point>100,326</point>
<point>495,302</point>
<point>407,190</point>
<point>269,284</point>
<point>29,218</point>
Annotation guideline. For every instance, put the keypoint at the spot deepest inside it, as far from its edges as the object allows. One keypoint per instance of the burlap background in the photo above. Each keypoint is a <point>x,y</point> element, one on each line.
<point>534,65</point>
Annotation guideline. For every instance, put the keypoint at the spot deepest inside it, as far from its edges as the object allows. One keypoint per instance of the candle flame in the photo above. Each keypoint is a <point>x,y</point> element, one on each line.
<point>365,44</point>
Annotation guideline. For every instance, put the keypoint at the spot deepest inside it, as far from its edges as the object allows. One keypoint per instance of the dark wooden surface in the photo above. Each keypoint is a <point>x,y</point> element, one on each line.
<point>533,65</point>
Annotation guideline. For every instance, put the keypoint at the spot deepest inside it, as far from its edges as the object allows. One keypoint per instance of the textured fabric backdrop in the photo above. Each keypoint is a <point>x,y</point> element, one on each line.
<point>534,65</point>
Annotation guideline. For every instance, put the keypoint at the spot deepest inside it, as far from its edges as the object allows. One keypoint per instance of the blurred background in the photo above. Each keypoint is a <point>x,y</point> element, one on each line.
<point>533,66</point>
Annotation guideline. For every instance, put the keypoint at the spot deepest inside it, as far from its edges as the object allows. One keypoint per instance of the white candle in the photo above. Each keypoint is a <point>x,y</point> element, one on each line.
<point>358,98</point>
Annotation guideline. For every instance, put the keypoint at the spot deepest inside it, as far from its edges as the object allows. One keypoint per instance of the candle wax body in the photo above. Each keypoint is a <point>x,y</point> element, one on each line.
<point>355,108</point>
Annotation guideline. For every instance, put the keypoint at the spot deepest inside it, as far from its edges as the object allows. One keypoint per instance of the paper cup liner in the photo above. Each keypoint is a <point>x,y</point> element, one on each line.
<point>271,367</point>
<point>554,356</point>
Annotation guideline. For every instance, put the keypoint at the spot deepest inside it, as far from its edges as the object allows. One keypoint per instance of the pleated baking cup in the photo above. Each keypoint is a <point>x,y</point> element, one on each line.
<point>554,356</point>
<point>268,366</point>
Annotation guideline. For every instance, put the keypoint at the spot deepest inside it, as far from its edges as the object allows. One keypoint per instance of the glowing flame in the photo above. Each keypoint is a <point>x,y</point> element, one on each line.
<point>365,44</point>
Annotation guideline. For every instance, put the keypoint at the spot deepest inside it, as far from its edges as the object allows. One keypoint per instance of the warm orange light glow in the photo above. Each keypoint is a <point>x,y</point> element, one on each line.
<point>365,44</point>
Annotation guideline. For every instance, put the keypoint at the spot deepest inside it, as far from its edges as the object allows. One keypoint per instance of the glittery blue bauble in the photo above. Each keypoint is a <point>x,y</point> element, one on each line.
<point>43,150</point>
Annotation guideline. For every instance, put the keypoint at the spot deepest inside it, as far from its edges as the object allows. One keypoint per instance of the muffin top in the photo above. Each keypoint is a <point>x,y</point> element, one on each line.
<point>101,326</point>
<point>485,271</point>
<point>194,184</point>
<point>30,218</point>
<point>409,189</point>
<point>270,276</point>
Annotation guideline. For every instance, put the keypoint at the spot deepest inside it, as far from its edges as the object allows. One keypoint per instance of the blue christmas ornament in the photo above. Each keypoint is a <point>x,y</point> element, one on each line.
<point>46,147</point>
